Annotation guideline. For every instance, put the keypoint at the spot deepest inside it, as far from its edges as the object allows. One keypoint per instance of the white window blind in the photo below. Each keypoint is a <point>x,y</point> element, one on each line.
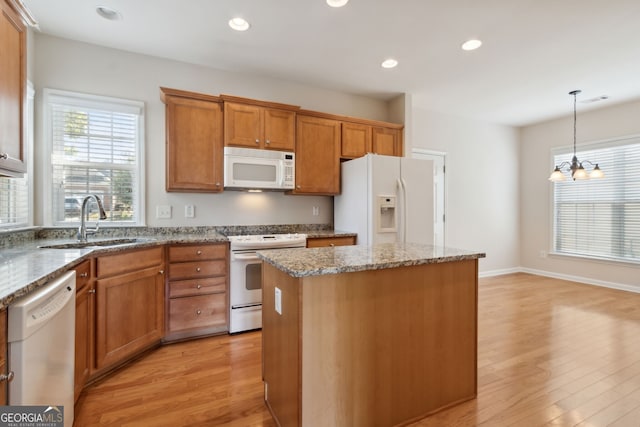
<point>96,148</point>
<point>14,202</point>
<point>601,217</point>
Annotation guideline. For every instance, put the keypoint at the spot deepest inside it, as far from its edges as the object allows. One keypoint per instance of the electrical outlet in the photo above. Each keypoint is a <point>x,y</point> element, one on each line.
<point>189,211</point>
<point>543,254</point>
<point>163,211</point>
<point>278,301</point>
<point>316,211</point>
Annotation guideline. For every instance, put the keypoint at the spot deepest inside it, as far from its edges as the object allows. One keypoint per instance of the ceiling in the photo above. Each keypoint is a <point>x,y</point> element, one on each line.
<point>534,51</point>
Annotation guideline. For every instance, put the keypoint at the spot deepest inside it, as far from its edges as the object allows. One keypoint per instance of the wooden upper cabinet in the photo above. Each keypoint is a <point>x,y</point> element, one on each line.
<point>194,142</point>
<point>317,155</point>
<point>254,124</point>
<point>356,140</point>
<point>13,90</point>
<point>386,141</point>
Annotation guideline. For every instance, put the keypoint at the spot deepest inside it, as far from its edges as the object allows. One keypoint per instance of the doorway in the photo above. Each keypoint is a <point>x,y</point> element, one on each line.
<point>439,169</point>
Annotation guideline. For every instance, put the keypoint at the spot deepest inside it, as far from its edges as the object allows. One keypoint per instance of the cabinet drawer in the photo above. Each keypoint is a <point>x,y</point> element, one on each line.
<point>317,242</point>
<point>123,262</point>
<point>197,312</point>
<point>83,274</point>
<point>192,287</point>
<point>195,252</point>
<point>196,269</point>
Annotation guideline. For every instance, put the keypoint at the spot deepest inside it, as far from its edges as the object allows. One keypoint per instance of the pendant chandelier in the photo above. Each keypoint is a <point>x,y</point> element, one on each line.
<point>575,166</point>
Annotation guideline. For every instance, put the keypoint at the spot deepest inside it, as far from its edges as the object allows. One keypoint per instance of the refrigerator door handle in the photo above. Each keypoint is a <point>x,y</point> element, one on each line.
<point>402,215</point>
<point>404,210</point>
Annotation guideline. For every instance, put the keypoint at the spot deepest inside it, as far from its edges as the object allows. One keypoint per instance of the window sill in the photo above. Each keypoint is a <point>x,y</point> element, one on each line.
<point>602,260</point>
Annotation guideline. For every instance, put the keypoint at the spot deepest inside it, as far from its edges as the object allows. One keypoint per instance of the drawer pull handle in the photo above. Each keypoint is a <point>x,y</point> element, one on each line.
<point>91,291</point>
<point>83,275</point>
<point>198,286</point>
<point>198,312</point>
<point>198,269</point>
<point>198,252</point>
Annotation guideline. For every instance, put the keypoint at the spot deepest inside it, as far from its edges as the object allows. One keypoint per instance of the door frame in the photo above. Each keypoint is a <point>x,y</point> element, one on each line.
<point>436,156</point>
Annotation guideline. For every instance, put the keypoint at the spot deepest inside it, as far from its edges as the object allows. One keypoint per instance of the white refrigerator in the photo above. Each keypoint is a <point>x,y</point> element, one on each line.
<point>386,199</point>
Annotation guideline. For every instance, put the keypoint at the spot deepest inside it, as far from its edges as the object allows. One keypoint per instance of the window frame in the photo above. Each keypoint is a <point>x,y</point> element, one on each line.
<point>568,151</point>
<point>91,101</point>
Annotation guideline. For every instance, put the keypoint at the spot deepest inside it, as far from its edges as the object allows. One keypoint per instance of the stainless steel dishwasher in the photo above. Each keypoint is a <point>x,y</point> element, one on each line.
<point>41,337</point>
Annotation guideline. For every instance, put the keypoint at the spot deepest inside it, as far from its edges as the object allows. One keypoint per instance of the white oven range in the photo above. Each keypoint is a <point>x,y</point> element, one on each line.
<point>245,276</point>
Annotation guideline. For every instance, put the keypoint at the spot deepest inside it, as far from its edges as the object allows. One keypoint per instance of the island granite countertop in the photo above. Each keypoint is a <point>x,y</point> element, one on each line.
<point>303,262</point>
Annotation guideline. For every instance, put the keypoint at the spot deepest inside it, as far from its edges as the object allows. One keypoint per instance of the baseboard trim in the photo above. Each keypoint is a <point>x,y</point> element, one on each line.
<point>579,279</point>
<point>502,272</point>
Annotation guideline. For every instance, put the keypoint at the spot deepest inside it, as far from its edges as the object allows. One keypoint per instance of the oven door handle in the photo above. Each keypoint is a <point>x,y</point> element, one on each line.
<point>245,257</point>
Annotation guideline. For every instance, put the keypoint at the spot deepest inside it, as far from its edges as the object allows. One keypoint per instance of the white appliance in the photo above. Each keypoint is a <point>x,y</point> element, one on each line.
<point>245,276</point>
<point>41,336</point>
<point>386,199</point>
<point>248,168</point>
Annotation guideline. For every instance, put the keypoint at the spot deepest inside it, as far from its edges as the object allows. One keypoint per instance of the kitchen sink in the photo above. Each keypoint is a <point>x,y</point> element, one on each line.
<point>94,243</point>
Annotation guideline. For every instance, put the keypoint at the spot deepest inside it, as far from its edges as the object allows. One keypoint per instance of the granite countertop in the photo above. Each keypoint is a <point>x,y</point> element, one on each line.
<point>345,259</point>
<point>26,266</point>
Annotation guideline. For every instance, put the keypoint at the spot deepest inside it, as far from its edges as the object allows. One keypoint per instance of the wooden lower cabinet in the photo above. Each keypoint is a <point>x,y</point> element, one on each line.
<point>129,304</point>
<point>197,295</point>
<point>3,357</point>
<point>84,325</point>
<point>318,242</point>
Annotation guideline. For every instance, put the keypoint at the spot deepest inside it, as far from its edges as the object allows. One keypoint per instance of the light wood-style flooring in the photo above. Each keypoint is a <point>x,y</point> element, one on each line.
<point>550,353</point>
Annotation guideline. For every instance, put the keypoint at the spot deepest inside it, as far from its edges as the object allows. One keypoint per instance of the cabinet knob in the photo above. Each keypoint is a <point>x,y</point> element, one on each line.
<point>7,377</point>
<point>217,184</point>
<point>91,291</point>
<point>198,252</point>
<point>4,156</point>
<point>198,286</point>
<point>298,187</point>
<point>257,141</point>
<point>161,272</point>
<point>198,312</point>
<point>198,269</point>
<point>267,142</point>
<point>83,275</point>
<point>332,244</point>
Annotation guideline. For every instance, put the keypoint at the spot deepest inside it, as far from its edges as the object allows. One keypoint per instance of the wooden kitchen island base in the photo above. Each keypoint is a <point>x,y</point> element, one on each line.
<point>370,348</point>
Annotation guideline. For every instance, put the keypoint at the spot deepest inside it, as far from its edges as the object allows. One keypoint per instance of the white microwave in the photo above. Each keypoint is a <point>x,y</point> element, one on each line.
<point>248,168</point>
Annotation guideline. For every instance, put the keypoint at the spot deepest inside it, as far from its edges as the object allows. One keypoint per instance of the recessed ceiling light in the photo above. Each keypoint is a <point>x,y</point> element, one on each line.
<point>108,13</point>
<point>472,44</point>
<point>389,63</point>
<point>337,3</point>
<point>239,24</point>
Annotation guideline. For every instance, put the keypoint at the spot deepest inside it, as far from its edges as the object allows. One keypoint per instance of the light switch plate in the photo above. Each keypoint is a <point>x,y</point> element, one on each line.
<point>189,211</point>
<point>278,301</point>
<point>163,211</point>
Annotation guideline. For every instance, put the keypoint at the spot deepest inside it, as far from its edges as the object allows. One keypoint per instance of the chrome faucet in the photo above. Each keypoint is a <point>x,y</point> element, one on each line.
<point>84,213</point>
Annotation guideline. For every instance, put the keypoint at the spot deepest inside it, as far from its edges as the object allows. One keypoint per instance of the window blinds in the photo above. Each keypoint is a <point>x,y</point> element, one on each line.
<point>601,217</point>
<point>95,148</point>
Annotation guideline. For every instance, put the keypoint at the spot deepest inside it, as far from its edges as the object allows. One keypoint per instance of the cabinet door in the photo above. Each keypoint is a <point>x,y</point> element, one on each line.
<point>317,156</point>
<point>356,140</point>
<point>129,314</point>
<point>12,89</point>
<point>194,145</point>
<point>242,125</point>
<point>279,129</point>
<point>387,141</point>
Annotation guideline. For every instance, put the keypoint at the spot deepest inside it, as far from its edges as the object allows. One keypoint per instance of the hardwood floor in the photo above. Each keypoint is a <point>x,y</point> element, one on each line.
<point>550,353</point>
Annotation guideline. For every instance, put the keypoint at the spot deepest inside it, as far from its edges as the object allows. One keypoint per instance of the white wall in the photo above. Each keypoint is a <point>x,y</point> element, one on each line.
<point>481,184</point>
<point>537,141</point>
<point>68,65</point>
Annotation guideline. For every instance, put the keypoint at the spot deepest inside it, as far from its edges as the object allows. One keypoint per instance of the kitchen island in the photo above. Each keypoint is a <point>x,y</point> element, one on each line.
<point>368,335</point>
